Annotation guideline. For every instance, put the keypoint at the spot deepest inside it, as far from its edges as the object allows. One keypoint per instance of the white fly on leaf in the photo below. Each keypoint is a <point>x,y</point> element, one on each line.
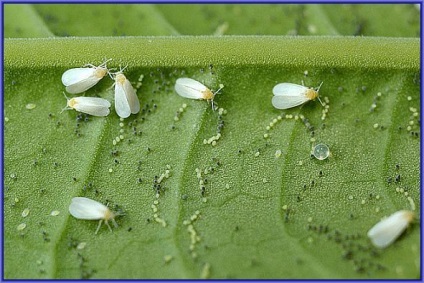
<point>78,80</point>
<point>189,88</point>
<point>389,229</point>
<point>94,106</point>
<point>126,100</point>
<point>288,95</point>
<point>88,209</point>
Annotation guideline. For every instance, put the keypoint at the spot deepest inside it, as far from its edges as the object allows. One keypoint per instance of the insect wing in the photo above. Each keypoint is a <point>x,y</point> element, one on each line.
<point>75,75</point>
<point>132,98</point>
<point>389,229</point>
<point>85,208</point>
<point>78,80</point>
<point>94,106</point>
<point>122,106</point>
<point>190,88</point>
<point>287,95</point>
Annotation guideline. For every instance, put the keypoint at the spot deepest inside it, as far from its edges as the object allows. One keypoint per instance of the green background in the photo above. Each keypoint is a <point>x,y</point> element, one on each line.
<point>259,216</point>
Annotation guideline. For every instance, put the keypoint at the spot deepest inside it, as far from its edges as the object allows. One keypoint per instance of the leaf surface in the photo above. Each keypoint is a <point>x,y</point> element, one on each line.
<point>237,209</point>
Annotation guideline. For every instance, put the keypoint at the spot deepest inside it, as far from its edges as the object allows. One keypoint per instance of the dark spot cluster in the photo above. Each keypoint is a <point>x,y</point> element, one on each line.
<point>133,126</point>
<point>114,152</point>
<point>81,119</point>
<point>221,124</point>
<point>161,80</point>
<point>320,229</point>
<point>157,187</point>
<point>119,210</point>
<point>307,124</point>
<point>85,271</point>
<point>394,179</point>
<point>355,249</point>
<point>414,134</point>
<point>149,108</point>
<point>90,187</point>
<point>287,214</point>
<point>45,236</point>
<point>72,243</point>
<point>139,165</point>
<point>214,165</point>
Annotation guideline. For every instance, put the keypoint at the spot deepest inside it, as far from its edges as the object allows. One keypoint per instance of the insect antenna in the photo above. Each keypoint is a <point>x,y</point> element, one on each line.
<point>318,94</point>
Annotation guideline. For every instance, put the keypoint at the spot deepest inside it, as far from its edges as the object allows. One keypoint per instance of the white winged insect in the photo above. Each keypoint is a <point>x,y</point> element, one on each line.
<point>193,89</point>
<point>288,95</point>
<point>78,80</point>
<point>389,229</point>
<point>126,100</point>
<point>88,209</point>
<point>94,106</point>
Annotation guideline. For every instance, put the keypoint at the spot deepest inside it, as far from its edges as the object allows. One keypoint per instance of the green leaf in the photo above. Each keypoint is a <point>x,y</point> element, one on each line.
<point>233,210</point>
<point>22,21</point>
